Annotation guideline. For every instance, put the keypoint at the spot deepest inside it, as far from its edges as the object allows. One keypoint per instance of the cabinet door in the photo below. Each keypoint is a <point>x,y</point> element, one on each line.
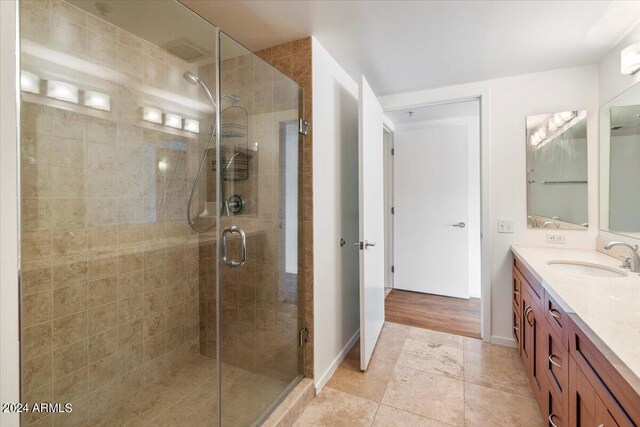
<point>604,416</point>
<point>539,353</point>
<point>517,325</point>
<point>526,331</point>
<point>583,399</point>
<point>516,289</point>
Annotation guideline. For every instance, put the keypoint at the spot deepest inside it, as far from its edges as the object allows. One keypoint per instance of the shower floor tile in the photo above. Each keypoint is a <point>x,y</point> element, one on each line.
<point>189,398</point>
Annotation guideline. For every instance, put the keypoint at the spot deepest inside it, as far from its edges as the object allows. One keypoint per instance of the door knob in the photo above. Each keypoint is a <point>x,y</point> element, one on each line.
<point>364,245</point>
<point>460,224</point>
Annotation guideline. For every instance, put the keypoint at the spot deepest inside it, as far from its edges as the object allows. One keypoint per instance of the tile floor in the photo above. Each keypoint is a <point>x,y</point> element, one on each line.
<point>419,377</point>
<point>188,399</point>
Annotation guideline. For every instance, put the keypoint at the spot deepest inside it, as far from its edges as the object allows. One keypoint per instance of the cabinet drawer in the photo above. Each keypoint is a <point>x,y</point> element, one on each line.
<point>553,411</point>
<point>556,365</point>
<point>557,318</point>
<point>621,401</point>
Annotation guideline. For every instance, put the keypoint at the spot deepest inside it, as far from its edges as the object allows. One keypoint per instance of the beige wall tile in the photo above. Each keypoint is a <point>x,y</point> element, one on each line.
<point>37,372</point>
<point>69,329</point>
<point>68,300</point>
<point>69,359</point>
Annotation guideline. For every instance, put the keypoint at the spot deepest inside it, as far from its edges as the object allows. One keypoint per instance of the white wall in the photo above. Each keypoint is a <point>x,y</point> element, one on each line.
<point>335,212</point>
<point>507,102</point>
<point>611,81</point>
<point>9,334</point>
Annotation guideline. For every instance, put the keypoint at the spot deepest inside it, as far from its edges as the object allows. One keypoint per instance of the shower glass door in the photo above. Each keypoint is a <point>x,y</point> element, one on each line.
<point>259,314</point>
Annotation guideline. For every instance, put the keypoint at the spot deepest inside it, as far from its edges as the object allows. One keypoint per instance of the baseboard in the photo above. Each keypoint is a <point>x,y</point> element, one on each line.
<point>509,342</point>
<point>321,381</point>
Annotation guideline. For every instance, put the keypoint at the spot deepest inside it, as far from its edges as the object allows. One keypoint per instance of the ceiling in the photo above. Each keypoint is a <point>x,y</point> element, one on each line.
<point>410,45</point>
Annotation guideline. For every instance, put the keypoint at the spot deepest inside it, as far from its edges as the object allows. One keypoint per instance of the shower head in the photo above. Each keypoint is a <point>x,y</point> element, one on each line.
<point>195,80</point>
<point>191,78</point>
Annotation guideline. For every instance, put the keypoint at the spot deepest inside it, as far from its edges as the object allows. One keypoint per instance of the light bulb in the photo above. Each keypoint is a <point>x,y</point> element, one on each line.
<point>62,91</point>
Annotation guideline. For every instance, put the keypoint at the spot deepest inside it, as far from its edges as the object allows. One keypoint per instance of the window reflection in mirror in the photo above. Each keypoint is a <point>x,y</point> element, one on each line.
<point>557,171</point>
<point>620,164</point>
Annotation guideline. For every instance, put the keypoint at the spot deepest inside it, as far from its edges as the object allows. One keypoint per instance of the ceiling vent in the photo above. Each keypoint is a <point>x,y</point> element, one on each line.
<point>186,50</point>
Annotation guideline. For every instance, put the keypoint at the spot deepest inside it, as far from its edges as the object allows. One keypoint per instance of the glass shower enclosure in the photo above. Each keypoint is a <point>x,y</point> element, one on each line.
<point>159,219</point>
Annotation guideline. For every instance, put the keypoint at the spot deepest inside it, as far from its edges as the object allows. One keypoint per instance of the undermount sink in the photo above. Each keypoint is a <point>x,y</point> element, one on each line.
<point>586,269</point>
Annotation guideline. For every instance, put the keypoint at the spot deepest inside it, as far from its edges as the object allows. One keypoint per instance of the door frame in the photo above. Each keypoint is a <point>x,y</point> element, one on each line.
<point>388,203</point>
<point>453,95</point>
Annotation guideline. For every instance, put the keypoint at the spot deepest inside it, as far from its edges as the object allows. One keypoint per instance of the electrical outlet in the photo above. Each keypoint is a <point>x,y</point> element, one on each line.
<point>505,226</point>
<point>555,238</point>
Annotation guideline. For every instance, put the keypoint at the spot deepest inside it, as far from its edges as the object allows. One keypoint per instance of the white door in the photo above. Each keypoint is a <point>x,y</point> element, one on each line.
<point>431,221</point>
<point>371,215</point>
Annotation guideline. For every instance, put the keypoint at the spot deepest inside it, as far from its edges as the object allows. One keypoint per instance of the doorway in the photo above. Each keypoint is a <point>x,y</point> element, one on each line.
<point>436,227</point>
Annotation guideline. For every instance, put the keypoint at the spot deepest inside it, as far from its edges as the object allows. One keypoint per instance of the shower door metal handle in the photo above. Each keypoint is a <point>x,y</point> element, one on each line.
<point>233,263</point>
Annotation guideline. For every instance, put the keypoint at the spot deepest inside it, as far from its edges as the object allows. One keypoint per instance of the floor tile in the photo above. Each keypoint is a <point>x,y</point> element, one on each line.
<point>335,408</point>
<point>433,358</point>
<point>496,367</point>
<point>432,396</point>
<point>435,337</point>
<point>489,407</point>
<point>370,384</point>
<point>392,417</point>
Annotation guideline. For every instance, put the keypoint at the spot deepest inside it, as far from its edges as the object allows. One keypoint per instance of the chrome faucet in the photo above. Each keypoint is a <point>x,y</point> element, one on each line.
<point>534,224</point>
<point>634,259</point>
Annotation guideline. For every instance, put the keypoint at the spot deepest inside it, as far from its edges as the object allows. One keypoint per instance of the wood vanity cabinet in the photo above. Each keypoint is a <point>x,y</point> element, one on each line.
<point>574,384</point>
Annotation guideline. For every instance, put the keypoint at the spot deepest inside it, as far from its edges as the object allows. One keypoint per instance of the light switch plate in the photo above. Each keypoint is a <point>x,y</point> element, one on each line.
<point>505,226</point>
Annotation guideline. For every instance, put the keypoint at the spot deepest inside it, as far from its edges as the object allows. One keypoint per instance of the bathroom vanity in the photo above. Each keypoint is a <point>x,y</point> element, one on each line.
<point>576,320</point>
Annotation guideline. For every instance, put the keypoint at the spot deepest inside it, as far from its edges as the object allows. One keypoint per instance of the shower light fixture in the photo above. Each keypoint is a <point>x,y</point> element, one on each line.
<point>152,115</point>
<point>62,91</point>
<point>162,165</point>
<point>173,120</point>
<point>29,82</point>
<point>630,59</point>
<point>192,125</point>
<point>98,100</point>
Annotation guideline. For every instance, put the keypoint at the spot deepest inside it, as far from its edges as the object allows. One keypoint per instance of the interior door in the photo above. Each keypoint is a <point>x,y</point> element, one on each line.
<point>371,215</point>
<point>431,200</point>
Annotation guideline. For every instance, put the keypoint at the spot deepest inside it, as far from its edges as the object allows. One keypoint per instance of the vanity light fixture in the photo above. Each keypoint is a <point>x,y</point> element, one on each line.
<point>535,139</point>
<point>542,133</point>
<point>173,120</point>
<point>552,126</point>
<point>152,115</point>
<point>565,116</point>
<point>192,125</point>
<point>630,59</point>
<point>29,82</point>
<point>97,100</point>
<point>62,91</point>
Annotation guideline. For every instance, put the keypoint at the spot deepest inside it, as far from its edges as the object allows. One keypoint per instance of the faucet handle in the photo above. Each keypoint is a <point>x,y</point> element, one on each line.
<point>626,261</point>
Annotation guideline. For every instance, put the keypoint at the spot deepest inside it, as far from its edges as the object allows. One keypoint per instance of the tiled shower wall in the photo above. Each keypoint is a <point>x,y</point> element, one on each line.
<point>110,269</point>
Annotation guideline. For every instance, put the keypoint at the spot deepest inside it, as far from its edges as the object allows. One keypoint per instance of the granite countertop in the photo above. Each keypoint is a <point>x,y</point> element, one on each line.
<point>606,309</point>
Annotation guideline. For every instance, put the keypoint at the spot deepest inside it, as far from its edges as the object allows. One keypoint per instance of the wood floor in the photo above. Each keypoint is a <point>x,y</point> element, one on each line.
<point>451,315</point>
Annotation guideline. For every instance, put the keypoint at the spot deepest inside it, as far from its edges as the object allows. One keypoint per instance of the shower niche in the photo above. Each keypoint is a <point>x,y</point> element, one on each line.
<point>141,146</point>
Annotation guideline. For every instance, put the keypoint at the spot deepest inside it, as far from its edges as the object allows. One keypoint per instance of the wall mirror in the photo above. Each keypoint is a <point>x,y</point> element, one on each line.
<point>557,170</point>
<point>620,164</point>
